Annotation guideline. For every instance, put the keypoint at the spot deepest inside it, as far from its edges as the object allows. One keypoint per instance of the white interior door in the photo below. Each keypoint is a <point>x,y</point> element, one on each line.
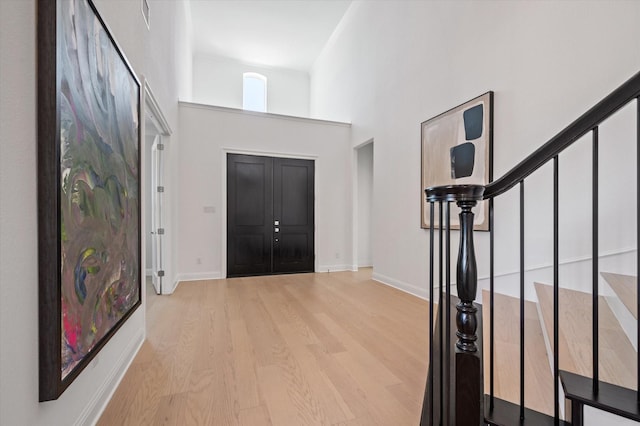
<point>157,135</point>
<point>157,229</point>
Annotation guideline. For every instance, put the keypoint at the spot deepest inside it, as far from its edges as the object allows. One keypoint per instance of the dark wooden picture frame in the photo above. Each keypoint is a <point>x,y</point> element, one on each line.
<point>89,241</point>
<point>457,149</point>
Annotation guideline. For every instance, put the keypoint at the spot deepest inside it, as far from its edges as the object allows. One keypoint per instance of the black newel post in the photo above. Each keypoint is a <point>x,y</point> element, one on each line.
<point>468,362</point>
<point>467,282</point>
<point>461,393</point>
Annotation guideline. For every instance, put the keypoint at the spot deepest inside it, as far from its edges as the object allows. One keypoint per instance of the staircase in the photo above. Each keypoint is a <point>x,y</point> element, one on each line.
<point>516,361</point>
<point>625,288</point>
<point>538,372</point>
<point>617,355</point>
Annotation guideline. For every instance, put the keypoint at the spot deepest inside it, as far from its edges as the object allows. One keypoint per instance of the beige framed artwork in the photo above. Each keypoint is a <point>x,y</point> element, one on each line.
<point>457,149</point>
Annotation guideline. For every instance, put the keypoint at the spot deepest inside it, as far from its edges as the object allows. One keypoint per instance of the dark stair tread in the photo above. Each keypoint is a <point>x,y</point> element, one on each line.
<point>610,398</point>
<point>505,413</point>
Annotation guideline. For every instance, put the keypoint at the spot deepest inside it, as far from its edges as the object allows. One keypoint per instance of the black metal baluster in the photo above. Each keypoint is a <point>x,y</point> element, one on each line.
<point>491,306</point>
<point>431,331</point>
<point>447,310</point>
<point>522,300</point>
<point>441,307</point>
<point>638,242</point>
<point>594,262</point>
<point>556,262</point>
<point>491,272</point>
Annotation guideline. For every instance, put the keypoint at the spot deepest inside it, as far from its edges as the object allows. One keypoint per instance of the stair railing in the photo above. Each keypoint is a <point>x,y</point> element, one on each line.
<point>455,391</point>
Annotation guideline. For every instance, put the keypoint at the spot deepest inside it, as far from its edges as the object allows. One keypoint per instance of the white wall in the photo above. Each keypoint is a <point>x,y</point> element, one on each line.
<point>159,55</point>
<point>184,51</point>
<point>392,65</point>
<point>218,81</point>
<point>148,53</point>
<point>365,204</point>
<point>208,131</point>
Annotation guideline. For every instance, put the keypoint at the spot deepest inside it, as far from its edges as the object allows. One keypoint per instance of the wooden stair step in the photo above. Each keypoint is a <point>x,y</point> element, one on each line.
<point>625,286</point>
<point>616,354</point>
<point>538,373</point>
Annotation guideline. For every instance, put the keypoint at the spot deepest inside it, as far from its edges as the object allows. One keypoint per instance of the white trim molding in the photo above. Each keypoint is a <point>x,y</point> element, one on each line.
<point>402,286</point>
<point>94,409</point>
<point>198,276</point>
<point>335,268</point>
<point>261,114</point>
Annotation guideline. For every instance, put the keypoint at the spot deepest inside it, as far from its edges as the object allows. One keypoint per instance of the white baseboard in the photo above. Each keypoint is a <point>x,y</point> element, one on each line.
<point>92,412</point>
<point>422,293</point>
<point>199,276</point>
<point>336,268</point>
<point>193,276</point>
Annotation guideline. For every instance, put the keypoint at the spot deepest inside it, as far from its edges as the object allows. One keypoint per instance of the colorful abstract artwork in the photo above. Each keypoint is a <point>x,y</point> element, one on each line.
<point>93,192</point>
<point>457,150</point>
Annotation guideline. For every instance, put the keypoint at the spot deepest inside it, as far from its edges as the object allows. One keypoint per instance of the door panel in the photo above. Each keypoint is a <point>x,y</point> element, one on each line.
<point>250,250</point>
<point>250,208</point>
<point>270,218</point>
<point>251,204</point>
<point>293,195</point>
<point>156,214</point>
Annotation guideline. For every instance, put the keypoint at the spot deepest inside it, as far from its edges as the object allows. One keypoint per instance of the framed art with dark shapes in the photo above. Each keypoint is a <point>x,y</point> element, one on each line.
<point>457,149</point>
<point>89,262</point>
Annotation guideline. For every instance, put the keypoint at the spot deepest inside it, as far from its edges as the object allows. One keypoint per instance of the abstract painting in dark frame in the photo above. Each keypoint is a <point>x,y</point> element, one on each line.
<point>457,149</point>
<point>89,249</point>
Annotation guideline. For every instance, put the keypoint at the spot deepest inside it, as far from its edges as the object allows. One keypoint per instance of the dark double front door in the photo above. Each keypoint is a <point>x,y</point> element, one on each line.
<point>270,217</point>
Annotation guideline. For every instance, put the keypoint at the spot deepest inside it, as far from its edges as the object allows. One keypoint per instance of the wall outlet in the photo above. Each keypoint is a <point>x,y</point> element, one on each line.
<point>198,261</point>
<point>337,255</point>
<point>209,209</point>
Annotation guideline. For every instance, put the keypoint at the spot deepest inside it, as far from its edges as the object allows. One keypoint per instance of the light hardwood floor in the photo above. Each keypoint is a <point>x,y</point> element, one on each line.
<point>330,349</point>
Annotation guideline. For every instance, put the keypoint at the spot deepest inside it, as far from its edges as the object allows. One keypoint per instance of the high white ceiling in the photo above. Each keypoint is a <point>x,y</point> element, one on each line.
<point>278,33</point>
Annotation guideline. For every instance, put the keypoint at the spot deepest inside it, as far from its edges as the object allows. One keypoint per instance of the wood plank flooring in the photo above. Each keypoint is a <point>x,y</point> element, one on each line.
<point>332,349</point>
<point>308,349</point>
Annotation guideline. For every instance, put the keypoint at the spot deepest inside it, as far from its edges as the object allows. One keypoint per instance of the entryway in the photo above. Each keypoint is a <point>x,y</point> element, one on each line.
<point>157,132</point>
<point>363,205</point>
<point>270,215</point>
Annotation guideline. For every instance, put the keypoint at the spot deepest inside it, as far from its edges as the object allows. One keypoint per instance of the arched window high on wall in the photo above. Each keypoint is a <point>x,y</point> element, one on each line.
<point>254,92</point>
